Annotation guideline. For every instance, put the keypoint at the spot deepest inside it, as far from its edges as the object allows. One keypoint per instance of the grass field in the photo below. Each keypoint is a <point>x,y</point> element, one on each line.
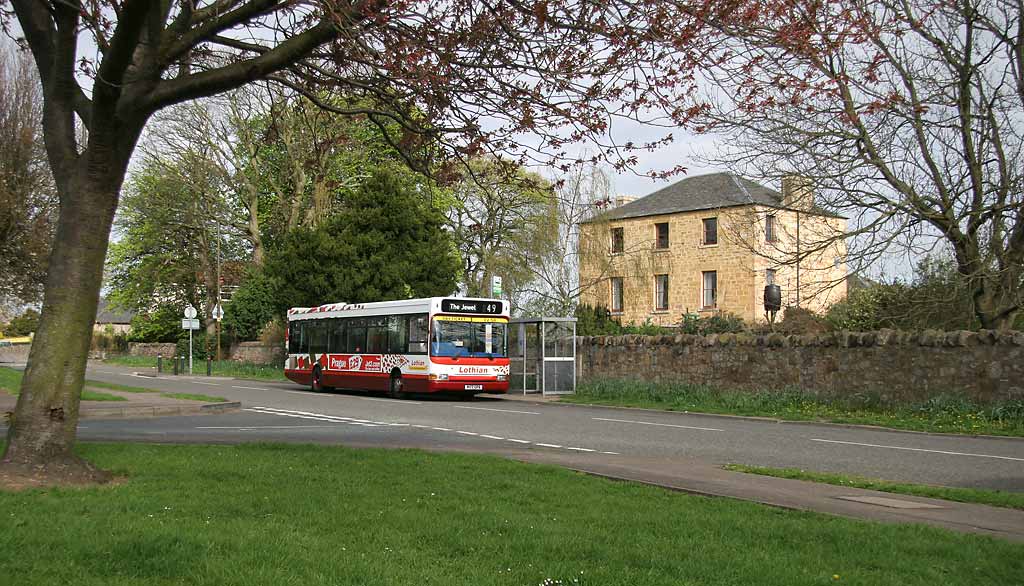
<point>221,368</point>
<point>10,381</point>
<point>274,514</point>
<point>948,414</point>
<point>996,498</point>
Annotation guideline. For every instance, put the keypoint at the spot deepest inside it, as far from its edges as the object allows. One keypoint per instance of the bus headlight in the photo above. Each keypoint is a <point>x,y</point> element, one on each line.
<point>439,377</point>
<point>501,378</point>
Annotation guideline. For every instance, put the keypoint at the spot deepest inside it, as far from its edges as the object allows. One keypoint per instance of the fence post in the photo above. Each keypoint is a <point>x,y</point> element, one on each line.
<point>159,363</point>
<point>209,366</point>
<point>175,366</point>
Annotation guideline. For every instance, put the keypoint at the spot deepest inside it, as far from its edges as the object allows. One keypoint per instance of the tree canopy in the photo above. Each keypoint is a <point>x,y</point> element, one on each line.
<point>386,242</point>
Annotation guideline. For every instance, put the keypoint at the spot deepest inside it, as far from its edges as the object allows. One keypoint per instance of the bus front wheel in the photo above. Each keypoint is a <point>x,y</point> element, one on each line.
<point>395,389</point>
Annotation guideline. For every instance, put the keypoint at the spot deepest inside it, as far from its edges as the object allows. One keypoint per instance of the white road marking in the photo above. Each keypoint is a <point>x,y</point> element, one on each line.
<point>498,410</point>
<point>207,384</point>
<point>612,453</point>
<point>317,416</point>
<point>467,433</point>
<point>250,388</point>
<point>305,393</point>
<point>254,427</point>
<point>402,401</point>
<point>491,437</point>
<point>440,429</point>
<point>548,445</point>
<point>920,450</point>
<point>658,424</point>
<point>580,449</point>
<point>518,441</point>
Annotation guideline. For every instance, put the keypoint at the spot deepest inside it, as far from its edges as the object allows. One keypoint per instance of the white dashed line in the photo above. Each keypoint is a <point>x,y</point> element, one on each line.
<point>580,449</point>
<point>548,445</point>
<point>402,401</point>
<point>467,433</point>
<point>491,437</point>
<point>440,429</point>
<point>518,441</point>
<point>498,410</point>
<point>250,388</point>
<point>920,450</point>
<point>207,384</point>
<point>612,453</point>
<point>657,424</point>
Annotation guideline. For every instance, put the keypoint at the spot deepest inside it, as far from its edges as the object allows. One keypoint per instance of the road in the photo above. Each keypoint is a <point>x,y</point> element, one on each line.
<point>281,411</point>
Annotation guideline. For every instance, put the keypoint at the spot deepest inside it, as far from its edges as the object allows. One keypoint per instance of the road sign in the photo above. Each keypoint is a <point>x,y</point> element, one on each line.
<point>190,324</point>
<point>218,312</point>
<point>190,313</point>
<point>495,286</point>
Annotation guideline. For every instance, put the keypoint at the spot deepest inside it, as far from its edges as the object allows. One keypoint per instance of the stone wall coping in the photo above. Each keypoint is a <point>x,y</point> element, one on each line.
<point>842,339</point>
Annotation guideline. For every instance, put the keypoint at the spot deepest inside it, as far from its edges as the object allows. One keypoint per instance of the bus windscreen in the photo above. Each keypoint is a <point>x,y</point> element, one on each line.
<point>468,337</point>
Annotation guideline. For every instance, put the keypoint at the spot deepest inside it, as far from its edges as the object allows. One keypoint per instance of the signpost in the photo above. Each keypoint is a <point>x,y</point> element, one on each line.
<point>190,323</point>
<point>495,286</point>
<point>218,314</point>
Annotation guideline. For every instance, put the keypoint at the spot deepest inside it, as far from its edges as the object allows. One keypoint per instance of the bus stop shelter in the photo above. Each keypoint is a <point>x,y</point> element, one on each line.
<point>542,352</point>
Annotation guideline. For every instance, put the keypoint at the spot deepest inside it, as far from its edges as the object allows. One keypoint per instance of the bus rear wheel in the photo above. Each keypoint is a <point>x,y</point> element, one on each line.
<point>396,387</point>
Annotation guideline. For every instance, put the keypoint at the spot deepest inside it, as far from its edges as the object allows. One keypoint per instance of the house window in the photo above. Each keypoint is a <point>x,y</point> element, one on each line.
<point>769,276</point>
<point>662,231</point>
<point>617,294</point>
<point>709,297</point>
<point>618,240</point>
<point>769,228</point>
<point>661,292</point>
<point>710,231</point>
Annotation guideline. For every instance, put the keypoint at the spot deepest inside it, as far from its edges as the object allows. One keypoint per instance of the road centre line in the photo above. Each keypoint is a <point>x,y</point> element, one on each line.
<point>402,401</point>
<point>491,437</point>
<point>320,416</point>
<point>547,445</point>
<point>207,384</point>
<point>498,410</point>
<point>251,388</point>
<point>518,441</point>
<point>270,426</point>
<point>658,424</point>
<point>309,417</point>
<point>919,450</point>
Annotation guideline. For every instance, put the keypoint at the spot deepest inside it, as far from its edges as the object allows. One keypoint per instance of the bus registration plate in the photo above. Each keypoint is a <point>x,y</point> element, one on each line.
<point>474,387</point>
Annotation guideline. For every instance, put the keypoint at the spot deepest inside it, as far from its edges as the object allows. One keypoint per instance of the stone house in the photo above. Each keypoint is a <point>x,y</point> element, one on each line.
<point>709,244</point>
<point>112,320</point>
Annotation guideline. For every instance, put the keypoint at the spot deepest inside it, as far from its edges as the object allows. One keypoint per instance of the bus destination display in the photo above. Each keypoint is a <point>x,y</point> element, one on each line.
<point>463,306</point>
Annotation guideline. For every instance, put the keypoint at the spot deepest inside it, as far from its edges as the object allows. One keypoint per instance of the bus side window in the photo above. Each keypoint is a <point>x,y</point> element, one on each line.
<point>398,332</point>
<point>418,334</point>
<point>297,337</point>
<point>355,335</point>
<point>336,340</point>
<point>376,335</point>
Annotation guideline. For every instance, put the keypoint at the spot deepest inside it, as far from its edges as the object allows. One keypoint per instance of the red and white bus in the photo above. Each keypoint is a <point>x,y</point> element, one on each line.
<point>412,345</point>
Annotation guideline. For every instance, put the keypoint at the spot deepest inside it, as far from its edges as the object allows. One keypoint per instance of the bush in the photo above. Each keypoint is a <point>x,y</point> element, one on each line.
<point>109,341</point>
<point>799,320</point>
<point>23,325</point>
<point>160,325</point>
<point>719,323</point>
<point>596,321</point>
<point>251,308</point>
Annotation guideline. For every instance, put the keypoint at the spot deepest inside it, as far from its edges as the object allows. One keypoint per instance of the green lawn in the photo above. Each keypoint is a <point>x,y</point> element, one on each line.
<point>10,381</point>
<point>222,368</point>
<point>996,498</point>
<point>943,413</point>
<point>298,514</point>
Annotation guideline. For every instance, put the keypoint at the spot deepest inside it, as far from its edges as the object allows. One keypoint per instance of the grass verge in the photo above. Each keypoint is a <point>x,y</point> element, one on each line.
<point>288,514</point>
<point>995,498</point>
<point>10,381</point>
<point>221,368</point>
<point>945,413</point>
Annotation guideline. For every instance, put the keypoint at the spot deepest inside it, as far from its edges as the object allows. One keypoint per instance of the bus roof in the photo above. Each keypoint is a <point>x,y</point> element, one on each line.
<point>422,305</point>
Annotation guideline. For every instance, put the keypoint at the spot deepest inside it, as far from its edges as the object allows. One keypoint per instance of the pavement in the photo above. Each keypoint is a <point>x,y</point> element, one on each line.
<point>679,472</point>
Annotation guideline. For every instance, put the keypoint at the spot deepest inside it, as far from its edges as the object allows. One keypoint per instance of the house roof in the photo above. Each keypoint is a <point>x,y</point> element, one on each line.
<point>701,192</point>
<point>107,315</point>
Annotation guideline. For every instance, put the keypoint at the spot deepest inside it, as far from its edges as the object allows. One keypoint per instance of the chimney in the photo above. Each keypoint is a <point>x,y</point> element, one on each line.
<point>621,200</point>
<point>797,192</point>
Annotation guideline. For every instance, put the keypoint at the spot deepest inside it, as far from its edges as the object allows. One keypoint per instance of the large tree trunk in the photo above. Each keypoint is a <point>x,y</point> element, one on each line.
<point>42,431</point>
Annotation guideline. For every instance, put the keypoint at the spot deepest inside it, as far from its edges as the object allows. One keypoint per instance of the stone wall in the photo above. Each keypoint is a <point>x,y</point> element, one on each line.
<point>257,352</point>
<point>165,349</point>
<point>903,366</point>
<point>15,353</point>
